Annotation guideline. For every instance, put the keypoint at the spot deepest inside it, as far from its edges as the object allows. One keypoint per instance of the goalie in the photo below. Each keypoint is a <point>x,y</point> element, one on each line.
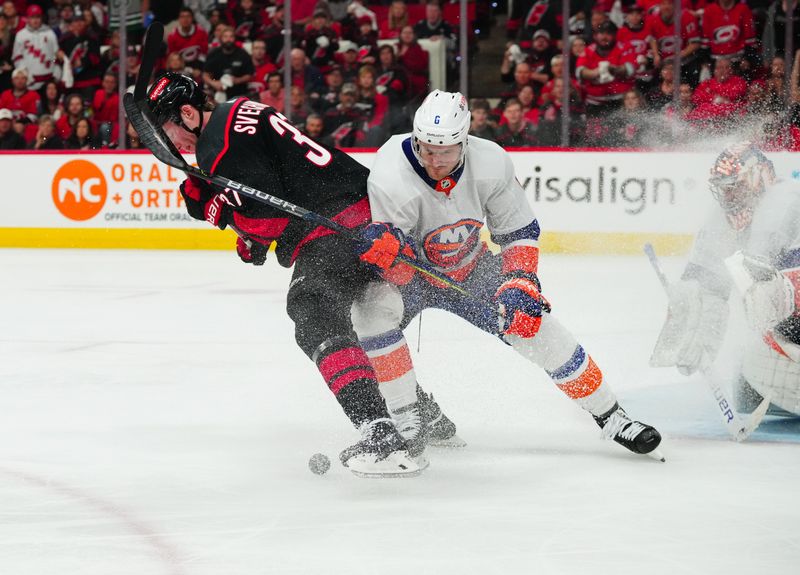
<point>751,243</point>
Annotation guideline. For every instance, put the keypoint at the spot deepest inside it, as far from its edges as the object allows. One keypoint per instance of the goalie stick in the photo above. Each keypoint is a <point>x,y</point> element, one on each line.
<point>738,428</point>
<point>154,138</point>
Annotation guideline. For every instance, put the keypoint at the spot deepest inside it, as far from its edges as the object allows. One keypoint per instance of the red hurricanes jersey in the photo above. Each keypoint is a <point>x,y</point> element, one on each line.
<point>664,33</point>
<point>596,93</point>
<point>726,32</point>
<point>638,40</point>
<point>23,106</point>
<point>193,47</point>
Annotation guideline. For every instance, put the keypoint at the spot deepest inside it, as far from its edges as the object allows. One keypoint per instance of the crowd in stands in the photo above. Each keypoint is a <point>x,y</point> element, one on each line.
<point>358,70</point>
<point>622,70</point>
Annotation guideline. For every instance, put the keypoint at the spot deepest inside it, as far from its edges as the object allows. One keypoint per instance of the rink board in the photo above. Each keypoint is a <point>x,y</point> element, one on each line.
<point>591,202</point>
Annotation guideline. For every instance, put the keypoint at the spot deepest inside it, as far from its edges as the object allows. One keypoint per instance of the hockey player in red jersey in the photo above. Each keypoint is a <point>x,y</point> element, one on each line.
<point>255,145</point>
<point>431,192</point>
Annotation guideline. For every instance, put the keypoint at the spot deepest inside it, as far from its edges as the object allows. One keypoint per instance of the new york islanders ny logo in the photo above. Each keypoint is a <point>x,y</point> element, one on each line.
<point>447,245</point>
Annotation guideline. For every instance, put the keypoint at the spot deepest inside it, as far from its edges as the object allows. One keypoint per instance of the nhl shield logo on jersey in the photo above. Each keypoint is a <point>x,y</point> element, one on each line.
<point>445,185</point>
<point>448,245</point>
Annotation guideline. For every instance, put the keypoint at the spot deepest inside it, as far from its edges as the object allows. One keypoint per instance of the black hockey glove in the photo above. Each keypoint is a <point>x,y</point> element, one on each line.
<point>255,253</point>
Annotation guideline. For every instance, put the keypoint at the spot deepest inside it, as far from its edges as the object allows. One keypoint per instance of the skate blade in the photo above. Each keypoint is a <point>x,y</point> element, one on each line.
<point>454,442</point>
<point>396,465</point>
<point>657,455</point>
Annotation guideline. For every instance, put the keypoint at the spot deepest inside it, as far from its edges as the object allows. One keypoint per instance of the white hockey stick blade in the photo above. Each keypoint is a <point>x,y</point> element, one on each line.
<point>755,418</point>
<point>397,465</point>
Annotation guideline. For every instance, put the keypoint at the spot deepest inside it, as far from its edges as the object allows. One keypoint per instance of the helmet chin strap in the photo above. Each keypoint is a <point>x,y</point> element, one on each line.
<point>196,130</point>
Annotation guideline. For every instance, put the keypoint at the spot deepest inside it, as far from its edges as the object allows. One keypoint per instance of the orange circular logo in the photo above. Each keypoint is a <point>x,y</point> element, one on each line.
<point>79,190</point>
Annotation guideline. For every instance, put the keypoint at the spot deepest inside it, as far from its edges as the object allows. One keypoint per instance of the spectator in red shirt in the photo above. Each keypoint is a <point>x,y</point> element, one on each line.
<point>719,98</point>
<point>396,20</point>
<point>263,66</point>
<point>728,30</point>
<point>74,110</point>
<point>636,34</point>
<point>189,40</point>
<point>556,69</point>
<point>274,95</point>
<point>662,27</point>
<point>23,103</point>
<point>305,75</point>
<point>411,55</point>
<point>530,111</point>
<point>606,71</point>
<point>106,111</point>
<point>373,105</point>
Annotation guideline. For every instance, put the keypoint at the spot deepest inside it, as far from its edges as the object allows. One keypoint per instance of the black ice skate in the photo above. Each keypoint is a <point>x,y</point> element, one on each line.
<point>634,435</point>
<point>409,424</point>
<point>441,430</point>
<point>382,452</point>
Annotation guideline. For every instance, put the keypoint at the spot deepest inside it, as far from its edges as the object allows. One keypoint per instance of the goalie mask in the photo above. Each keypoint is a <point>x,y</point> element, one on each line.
<point>443,119</point>
<point>169,92</point>
<point>739,177</point>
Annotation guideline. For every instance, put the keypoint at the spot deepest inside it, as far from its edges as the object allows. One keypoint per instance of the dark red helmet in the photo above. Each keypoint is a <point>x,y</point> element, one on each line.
<point>169,92</point>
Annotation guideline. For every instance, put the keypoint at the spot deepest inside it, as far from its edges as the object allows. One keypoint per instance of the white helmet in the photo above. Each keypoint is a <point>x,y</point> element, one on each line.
<point>443,119</point>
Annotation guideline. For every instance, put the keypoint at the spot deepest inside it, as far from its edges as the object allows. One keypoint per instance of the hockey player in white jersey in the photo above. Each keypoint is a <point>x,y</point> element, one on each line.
<point>749,244</point>
<point>36,48</point>
<point>431,192</point>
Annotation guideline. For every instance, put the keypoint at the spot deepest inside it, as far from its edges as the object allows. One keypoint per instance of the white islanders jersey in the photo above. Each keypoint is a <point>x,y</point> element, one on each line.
<point>445,218</point>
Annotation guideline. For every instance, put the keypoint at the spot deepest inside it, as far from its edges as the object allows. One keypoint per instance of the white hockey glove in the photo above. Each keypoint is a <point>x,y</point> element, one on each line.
<point>769,296</point>
<point>694,329</point>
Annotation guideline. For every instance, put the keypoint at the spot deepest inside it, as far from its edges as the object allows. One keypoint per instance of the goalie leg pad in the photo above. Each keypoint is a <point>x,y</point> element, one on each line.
<point>771,373</point>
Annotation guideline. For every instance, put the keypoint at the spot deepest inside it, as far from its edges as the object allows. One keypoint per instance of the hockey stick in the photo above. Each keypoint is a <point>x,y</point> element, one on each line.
<point>158,143</point>
<point>154,138</point>
<point>734,423</point>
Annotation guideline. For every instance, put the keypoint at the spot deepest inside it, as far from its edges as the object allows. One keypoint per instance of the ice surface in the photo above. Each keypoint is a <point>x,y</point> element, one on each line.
<point>156,417</point>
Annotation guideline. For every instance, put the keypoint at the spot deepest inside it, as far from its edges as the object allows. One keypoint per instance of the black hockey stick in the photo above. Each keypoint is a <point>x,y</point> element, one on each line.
<point>154,138</point>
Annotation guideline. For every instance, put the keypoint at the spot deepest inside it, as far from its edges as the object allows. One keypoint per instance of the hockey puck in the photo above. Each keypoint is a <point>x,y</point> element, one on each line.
<point>319,464</point>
